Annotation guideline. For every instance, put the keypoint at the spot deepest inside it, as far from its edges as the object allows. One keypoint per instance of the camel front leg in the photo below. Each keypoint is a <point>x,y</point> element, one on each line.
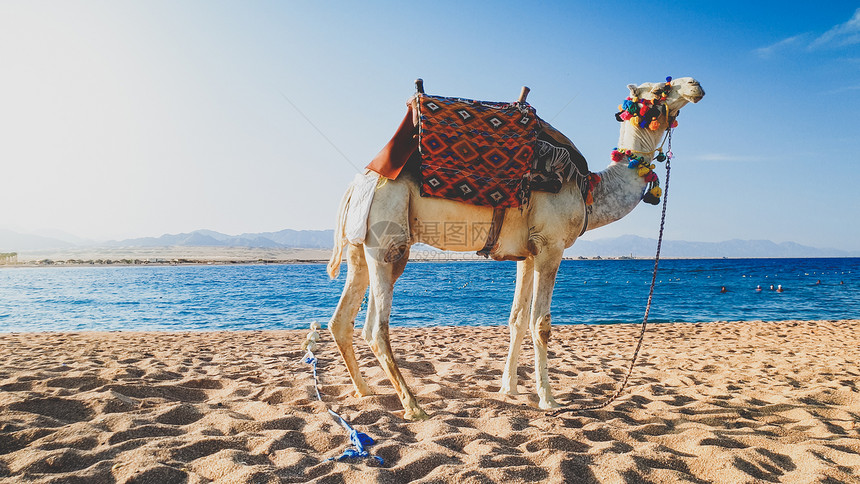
<point>546,268</point>
<point>382,278</point>
<point>517,324</point>
<point>342,324</point>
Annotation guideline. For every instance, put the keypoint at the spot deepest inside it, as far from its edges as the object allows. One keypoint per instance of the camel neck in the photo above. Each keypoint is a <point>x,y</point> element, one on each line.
<point>643,142</point>
<point>625,181</point>
<point>619,191</point>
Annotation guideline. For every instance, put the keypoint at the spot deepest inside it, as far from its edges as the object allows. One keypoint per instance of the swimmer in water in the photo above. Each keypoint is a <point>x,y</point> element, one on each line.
<point>723,290</point>
<point>758,288</point>
<point>779,288</point>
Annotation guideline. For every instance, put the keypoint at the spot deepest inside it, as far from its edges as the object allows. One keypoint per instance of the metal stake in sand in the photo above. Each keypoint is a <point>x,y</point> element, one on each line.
<point>359,440</point>
<point>556,413</point>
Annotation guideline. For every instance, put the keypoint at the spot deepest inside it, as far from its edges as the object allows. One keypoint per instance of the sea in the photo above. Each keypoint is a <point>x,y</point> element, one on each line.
<point>439,293</point>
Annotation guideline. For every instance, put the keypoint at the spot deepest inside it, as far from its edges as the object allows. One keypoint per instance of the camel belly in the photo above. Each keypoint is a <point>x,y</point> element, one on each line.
<point>457,226</point>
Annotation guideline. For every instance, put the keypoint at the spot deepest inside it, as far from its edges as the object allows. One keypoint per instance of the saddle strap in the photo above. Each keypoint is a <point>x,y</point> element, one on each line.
<point>493,234</point>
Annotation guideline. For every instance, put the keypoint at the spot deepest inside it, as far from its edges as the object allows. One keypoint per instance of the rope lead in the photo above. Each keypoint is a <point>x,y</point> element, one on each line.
<point>617,393</point>
<point>359,440</point>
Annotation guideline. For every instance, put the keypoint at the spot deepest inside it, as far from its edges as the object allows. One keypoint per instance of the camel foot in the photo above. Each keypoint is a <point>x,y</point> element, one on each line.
<point>362,391</point>
<point>549,404</point>
<point>509,391</point>
<point>415,414</point>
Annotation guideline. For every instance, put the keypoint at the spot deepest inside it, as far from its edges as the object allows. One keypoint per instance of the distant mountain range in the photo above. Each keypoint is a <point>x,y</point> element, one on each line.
<point>640,247</point>
<point>288,239</point>
<point>284,239</point>
<point>627,245</point>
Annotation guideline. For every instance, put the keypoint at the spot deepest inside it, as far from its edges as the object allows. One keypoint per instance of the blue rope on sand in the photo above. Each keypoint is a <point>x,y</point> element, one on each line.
<point>359,440</point>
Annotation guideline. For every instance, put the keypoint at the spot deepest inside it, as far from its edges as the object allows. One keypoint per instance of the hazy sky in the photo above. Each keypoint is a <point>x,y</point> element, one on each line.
<point>136,118</point>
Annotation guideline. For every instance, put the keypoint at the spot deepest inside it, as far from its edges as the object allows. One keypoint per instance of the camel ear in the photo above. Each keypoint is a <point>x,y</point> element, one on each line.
<point>633,90</point>
<point>668,86</point>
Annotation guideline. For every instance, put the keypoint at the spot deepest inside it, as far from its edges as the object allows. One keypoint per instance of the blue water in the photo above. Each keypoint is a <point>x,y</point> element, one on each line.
<point>428,294</point>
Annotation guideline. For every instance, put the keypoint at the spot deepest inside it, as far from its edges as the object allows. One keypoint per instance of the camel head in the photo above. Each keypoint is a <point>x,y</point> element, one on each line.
<point>650,110</point>
<point>678,92</point>
<point>647,117</point>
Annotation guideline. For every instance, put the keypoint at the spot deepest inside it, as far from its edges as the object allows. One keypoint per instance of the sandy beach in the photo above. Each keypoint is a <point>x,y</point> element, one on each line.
<point>711,402</point>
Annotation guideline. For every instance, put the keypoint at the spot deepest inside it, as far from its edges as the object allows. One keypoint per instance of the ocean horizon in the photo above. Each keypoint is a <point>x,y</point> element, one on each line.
<point>430,293</point>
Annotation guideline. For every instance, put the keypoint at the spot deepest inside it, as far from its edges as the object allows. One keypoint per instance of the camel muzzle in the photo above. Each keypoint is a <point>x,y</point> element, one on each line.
<point>693,92</point>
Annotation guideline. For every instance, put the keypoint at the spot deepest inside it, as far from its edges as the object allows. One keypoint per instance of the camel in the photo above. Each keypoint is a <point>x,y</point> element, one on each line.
<point>535,235</point>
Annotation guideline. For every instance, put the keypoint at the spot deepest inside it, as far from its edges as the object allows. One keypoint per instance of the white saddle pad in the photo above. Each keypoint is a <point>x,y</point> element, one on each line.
<point>364,186</point>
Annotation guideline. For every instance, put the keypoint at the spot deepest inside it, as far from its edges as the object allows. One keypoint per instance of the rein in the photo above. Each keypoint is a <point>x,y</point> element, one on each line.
<point>617,393</point>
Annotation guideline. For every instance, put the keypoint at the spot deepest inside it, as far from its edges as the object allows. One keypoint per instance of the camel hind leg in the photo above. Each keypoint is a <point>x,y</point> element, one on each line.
<point>342,324</point>
<point>383,274</point>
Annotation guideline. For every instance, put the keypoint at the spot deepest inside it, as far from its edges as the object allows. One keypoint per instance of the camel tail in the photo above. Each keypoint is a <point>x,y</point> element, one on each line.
<point>339,234</point>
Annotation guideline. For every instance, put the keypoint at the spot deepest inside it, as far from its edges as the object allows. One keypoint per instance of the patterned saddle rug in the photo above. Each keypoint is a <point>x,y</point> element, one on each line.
<point>476,152</point>
<point>483,153</point>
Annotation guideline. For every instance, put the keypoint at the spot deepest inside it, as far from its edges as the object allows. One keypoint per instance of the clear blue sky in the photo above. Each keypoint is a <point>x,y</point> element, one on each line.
<point>138,118</point>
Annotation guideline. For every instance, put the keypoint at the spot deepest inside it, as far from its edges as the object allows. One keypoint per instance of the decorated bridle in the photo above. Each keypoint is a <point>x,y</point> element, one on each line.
<point>653,115</point>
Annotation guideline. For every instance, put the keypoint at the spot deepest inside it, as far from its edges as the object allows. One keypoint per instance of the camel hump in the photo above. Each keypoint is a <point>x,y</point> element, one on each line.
<point>557,160</point>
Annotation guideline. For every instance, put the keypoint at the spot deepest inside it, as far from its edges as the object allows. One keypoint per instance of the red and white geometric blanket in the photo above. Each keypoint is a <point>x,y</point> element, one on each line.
<point>484,153</point>
<point>476,152</point>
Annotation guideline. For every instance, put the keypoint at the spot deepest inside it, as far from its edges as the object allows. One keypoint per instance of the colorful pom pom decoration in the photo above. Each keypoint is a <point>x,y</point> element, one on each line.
<point>651,114</point>
<point>643,168</point>
<point>648,113</point>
